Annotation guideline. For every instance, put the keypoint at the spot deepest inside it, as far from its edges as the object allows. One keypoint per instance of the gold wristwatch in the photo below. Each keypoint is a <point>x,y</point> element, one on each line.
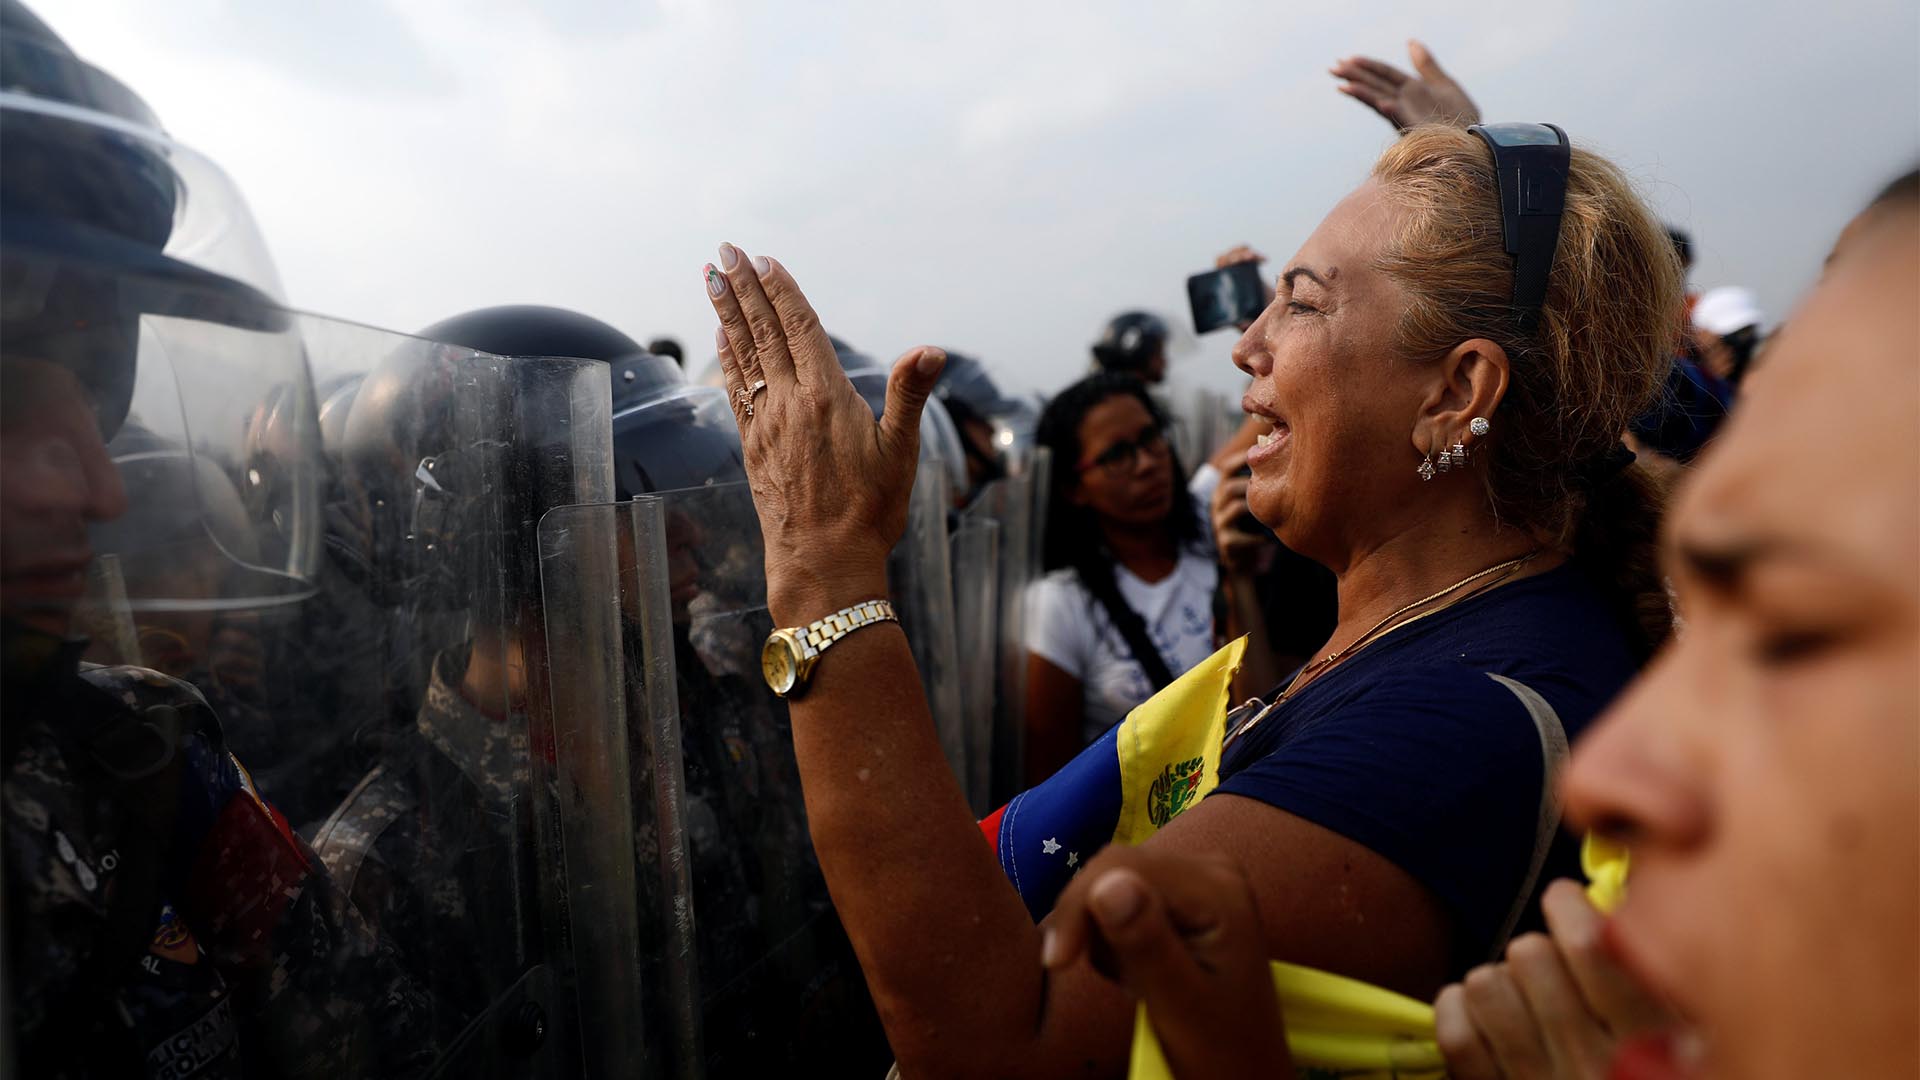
<point>788,657</point>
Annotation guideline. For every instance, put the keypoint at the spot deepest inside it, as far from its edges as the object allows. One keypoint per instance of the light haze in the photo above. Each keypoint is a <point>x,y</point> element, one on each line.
<point>996,178</point>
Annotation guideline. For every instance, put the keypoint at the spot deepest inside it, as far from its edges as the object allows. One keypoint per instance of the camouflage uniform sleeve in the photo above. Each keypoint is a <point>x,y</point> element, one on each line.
<point>316,991</point>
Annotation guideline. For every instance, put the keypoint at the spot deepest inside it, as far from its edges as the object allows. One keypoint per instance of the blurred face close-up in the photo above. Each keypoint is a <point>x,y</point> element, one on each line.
<point>1126,473</point>
<point>1766,770</point>
<point>55,480</point>
<point>1326,374</point>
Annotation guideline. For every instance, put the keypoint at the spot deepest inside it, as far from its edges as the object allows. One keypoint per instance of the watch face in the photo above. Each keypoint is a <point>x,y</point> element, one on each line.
<point>777,664</point>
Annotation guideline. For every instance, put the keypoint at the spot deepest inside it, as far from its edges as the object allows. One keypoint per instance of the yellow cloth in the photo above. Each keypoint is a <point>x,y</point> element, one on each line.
<point>1605,864</point>
<point>1167,762</point>
<point>1337,1028</point>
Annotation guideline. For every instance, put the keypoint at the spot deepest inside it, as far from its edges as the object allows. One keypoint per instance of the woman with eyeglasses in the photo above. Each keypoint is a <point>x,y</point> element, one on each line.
<point>1128,602</point>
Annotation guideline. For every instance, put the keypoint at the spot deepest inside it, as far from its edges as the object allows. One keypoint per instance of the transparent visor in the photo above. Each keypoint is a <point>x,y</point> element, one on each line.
<point>203,499</point>
<point>155,464</point>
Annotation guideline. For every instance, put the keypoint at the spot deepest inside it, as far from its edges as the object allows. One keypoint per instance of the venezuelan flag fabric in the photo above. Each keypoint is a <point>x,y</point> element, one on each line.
<point>1162,759</point>
<point>1138,776</point>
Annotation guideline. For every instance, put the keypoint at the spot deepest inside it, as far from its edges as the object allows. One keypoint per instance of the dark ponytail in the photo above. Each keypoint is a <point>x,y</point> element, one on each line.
<point>1616,543</point>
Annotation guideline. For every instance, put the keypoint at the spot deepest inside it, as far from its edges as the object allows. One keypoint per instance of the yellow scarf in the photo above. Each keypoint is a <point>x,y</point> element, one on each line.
<point>1336,1027</point>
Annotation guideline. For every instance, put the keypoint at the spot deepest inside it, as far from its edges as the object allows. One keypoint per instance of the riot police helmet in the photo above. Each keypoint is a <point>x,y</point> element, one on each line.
<point>666,434</point>
<point>451,451</point>
<point>539,330</point>
<point>678,436</point>
<point>1134,343</point>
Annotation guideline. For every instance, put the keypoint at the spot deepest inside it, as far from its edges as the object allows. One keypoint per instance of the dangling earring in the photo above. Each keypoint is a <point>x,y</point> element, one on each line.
<point>1426,467</point>
<point>1446,460</point>
<point>1460,454</point>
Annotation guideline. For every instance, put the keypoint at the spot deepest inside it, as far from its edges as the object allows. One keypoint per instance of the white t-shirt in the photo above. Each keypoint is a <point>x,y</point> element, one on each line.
<point>1071,629</point>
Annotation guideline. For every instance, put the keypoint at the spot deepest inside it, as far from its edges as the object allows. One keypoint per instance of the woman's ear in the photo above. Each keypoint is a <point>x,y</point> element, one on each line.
<point>1471,380</point>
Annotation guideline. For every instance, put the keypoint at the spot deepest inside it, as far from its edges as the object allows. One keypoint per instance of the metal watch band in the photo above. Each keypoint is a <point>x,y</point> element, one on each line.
<point>820,633</point>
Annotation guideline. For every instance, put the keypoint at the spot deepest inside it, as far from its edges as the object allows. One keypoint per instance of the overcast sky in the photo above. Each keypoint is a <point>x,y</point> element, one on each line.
<point>997,178</point>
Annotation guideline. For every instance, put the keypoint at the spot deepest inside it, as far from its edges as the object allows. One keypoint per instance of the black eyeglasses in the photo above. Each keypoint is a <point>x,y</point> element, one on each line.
<point>1530,162</point>
<point>1121,456</point>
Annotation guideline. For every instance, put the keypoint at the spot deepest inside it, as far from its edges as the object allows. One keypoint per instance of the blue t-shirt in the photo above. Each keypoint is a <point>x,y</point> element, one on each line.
<point>1409,748</point>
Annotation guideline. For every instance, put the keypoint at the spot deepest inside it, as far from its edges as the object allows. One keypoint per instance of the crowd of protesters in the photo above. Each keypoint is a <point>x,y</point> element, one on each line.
<point>1509,550</point>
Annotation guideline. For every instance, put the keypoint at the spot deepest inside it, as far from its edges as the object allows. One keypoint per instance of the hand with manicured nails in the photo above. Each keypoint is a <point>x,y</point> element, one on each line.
<point>1558,1007</point>
<point>830,483</point>
<point>1429,96</point>
<point>1179,932</point>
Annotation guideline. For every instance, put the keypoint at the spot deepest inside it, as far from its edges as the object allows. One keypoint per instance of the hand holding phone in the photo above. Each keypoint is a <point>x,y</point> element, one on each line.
<point>1229,296</point>
<point>1239,537</point>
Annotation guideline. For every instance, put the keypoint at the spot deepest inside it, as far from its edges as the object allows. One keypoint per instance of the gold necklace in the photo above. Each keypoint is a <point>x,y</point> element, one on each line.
<point>1379,630</point>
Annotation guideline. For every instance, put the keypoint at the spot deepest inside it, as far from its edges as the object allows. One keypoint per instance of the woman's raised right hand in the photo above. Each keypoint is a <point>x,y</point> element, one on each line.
<point>830,483</point>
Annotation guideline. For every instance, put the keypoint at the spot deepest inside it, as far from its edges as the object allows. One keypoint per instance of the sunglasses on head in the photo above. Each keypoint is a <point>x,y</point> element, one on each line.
<point>1530,163</point>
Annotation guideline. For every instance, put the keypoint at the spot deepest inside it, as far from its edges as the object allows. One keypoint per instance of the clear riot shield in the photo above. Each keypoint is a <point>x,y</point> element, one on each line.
<point>358,624</point>
<point>919,571</point>
<point>593,670</point>
<point>744,969</point>
<point>1009,733</point>
<point>1009,502</point>
<point>920,575</point>
<point>1041,470</point>
<point>447,831</point>
<point>976,616</point>
<point>278,788</point>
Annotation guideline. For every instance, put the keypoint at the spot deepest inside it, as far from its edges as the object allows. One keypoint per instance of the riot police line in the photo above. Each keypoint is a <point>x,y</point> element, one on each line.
<point>383,704</point>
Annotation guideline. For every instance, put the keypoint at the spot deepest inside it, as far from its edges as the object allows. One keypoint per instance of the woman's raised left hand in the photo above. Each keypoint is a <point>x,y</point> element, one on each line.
<point>1180,931</point>
<point>830,483</point>
<point>1428,96</point>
